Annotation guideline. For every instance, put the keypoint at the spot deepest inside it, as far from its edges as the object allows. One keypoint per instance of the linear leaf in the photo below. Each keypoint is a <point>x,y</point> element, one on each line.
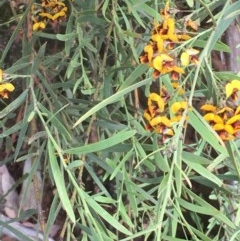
<point>59,181</point>
<point>101,145</point>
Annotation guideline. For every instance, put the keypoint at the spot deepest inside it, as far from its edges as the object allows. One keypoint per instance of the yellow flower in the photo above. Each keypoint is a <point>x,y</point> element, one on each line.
<point>149,50</point>
<point>211,117</point>
<point>5,88</point>
<point>185,59</point>
<point>153,97</point>
<point>166,12</point>
<point>159,40</point>
<point>220,126</point>
<point>160,60</point>
<point>178,107</point>
<point>232,88</point>
<point>39,25</point>
<point>160,120</point>
<point>189,55</point>
<point>59,15</point>
<point>170,26</point>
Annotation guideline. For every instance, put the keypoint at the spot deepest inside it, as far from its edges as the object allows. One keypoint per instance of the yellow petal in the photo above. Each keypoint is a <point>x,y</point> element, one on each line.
<point>166,58</point>
<point>147,115</point>
<point>218,127</point>
<point>176,118</point>
<point>177,69</point>
<point>149,50</point>
<point>58,15</point>
<point>157,38</point>
<point>192,51</point>
<point>177,106</point>
<point>168,132</point>
<point>157,98</point>
<point>160,120</point>
<point>233,119</point>
<point>225,109</point>
<point>212,117</point>
<point>47,15</point>
<point>209,107</point>
<point>172,37</point>
<point>154,97</point>
<point>42,25</point>
<point>230,87</point>
<point>165,13</point>
<point>229,129</point>
<point>171,26</point>
<point>183,37</point>
<point>35,26</point>
<point>237,110</point>
<point>185,59</point>
<point>7,87</point>
<point>158,63</point>
<point>236,84</point>
<point>39,25</point>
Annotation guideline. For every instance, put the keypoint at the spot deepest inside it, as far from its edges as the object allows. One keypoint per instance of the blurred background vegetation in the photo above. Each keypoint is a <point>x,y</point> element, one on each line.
<point>73,134</point>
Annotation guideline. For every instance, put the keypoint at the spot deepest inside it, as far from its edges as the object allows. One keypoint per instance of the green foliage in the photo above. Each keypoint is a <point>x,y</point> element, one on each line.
<point>79,122</point>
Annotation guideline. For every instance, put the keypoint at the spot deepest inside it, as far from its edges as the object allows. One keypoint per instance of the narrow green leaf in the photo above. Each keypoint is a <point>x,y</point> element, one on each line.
<point>66,37</point>
<point>59,181</point>
<point>115,97</point>
<point>103,144</point>
<point>192,163</point>
<point>11,130</point>
<point>14,105</point>
<point>105,215</point>
<point>218,214</point>
<point>38,58</point>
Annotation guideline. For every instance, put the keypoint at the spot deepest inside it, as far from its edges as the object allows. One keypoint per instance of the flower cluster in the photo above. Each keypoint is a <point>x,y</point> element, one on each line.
<point>49,11</point>
<point>159,54</point>
<point>158,115</point>
<point>5,88</point>
<point>226,119</point>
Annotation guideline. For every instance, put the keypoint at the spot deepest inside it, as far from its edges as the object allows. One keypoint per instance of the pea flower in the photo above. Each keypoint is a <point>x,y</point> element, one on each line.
<point>5,88</point>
